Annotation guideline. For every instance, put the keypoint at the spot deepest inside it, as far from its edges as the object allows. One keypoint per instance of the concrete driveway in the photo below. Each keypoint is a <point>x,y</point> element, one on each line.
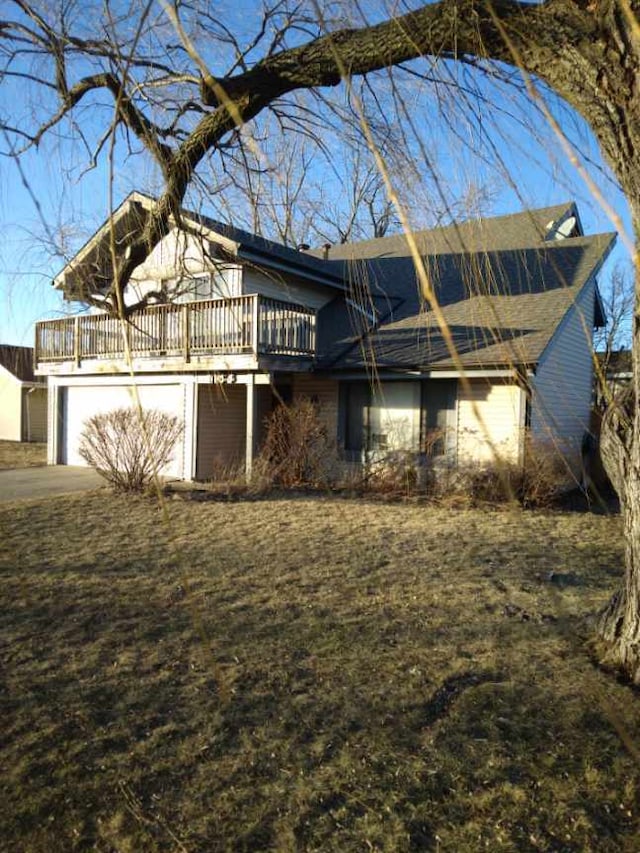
<point>23,483</point>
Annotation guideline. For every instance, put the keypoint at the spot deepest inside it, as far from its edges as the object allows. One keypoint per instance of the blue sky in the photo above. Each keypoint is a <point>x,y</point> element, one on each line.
<point>62,198</point>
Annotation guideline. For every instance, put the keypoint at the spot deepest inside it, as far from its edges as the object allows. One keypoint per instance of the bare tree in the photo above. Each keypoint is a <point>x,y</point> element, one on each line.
<point>617,301</point>
<point>328,189</point>
<point>611,341</point>
<point>145,81</point>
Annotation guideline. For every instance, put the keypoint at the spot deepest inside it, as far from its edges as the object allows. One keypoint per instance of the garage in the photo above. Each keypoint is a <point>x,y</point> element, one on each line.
<point>77,403</point>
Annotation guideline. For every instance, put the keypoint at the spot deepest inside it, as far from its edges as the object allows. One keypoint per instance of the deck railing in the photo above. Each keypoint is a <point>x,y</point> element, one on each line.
<point>242,324</point>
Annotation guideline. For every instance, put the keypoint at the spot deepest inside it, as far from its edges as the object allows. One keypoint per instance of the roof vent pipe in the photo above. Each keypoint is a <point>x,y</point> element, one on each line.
<point>325,251</point>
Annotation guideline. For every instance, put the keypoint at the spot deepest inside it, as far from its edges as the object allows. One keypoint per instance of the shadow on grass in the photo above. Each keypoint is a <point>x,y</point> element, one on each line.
<point>395,681</point>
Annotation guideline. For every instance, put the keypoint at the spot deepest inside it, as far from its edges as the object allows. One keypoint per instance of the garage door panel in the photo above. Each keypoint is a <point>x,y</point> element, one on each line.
<point>84,401</point>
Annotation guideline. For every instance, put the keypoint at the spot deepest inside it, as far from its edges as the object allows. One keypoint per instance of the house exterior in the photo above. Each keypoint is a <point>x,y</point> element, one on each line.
<point>236,323</point>
<point>23,397</point>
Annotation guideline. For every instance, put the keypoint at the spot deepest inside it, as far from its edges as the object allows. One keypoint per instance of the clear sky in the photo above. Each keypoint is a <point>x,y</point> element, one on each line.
<point>55,198</point>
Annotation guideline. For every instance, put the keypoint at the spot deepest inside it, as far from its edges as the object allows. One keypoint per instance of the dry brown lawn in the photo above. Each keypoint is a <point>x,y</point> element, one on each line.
<point>309,674</point>
<point>21,454</point>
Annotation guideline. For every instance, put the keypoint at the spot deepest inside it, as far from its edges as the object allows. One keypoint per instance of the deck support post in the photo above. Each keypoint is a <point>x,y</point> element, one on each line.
<point>190,457</point>
<point>54,418</point>
<point>252,425</point>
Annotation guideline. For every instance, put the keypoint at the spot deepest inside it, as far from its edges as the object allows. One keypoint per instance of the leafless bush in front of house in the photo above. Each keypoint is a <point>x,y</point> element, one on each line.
<point>228,471</point>
<point>297,450</point>
<point>535,483</point>
<point>545,474</point>
<point>406,472</point>
<point>128,447</point>
<point>394,472</point>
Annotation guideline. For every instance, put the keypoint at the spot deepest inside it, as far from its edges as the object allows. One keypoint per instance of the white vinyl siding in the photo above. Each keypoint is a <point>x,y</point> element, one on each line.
<point>275,287</point>
<point>10,407</point>
<point>182,256</point>
<point>491,419</point>
<point>220,283</point>
<point>77,403</point>
<point>175,252</point>
<point>562,386</point>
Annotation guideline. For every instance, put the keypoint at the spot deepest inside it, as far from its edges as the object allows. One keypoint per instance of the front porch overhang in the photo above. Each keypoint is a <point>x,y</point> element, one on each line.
<point>388,374</point>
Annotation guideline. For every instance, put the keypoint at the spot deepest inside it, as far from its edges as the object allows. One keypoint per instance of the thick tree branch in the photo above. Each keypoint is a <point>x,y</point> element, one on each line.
<point>448,29</point>
<point>585,52</point>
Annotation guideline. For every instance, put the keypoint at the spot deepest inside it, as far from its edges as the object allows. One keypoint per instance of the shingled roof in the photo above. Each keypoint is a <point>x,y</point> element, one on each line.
<point>502,307</point>
<point>504,283</point>
<point>18,361</point>
<point>497,233</point>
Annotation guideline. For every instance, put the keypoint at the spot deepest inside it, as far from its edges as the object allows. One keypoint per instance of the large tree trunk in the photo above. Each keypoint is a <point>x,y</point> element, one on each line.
<point>619,622</point>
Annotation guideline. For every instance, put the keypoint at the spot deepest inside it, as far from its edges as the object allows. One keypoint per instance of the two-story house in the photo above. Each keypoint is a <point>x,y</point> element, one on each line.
<point>241,323</point>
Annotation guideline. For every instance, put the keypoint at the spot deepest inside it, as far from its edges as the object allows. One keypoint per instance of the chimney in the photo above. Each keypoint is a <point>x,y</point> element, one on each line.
<point>325,251</point>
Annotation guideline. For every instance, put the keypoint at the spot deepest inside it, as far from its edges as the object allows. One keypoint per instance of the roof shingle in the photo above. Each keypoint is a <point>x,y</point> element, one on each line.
<point>18,361</point>
<point>497,233</point>
<point>501,307</point>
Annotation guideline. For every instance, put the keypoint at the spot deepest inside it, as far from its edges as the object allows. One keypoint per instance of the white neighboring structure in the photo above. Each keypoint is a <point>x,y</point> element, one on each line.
<point>23,397</point>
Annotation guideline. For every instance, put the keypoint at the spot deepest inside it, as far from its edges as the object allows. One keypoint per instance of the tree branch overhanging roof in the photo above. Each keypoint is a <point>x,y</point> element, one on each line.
<point>93,262</point>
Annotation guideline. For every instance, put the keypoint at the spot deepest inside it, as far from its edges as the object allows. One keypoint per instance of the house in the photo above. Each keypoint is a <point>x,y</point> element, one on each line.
<point>23,398</point>
<point>240,322</point>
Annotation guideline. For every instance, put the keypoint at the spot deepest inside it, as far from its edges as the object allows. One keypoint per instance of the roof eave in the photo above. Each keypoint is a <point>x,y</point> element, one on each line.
<point>137,200</point>
<point>269,261</point>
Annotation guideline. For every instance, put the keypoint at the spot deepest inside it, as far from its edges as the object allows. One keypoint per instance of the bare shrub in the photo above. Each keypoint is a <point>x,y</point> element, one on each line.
<point>536,483</point>
<point>297,450</point>
<point>544,475</point>
<point>404,472</point>
<point>128,448</point>
<point>391,473</point>
<point>228,471</point>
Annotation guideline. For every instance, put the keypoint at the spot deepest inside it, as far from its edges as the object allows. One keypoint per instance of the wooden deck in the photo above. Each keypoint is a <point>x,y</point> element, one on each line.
<point>252,325</point>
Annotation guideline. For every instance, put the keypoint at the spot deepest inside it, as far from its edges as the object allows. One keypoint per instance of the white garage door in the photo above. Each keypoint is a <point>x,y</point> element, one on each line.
<point>83,401</point>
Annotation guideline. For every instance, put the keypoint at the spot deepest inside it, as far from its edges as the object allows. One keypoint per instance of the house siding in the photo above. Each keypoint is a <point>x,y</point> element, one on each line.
<point>490,421</point>
<point>10,407</point>
<point>34,414</point>
<point>562,387</point>
<point>174,256</point>
<point>325,393</point>
<point>276,287</point>
<point>174,252</point>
